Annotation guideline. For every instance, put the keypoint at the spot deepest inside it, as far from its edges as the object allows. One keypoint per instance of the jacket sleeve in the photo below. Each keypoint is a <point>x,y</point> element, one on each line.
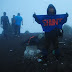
<point>1,20</point>
<point>36,19</point>
<point>65,20</point>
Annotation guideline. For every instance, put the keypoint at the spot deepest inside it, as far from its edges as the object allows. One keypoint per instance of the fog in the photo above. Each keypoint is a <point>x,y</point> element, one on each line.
<point>28,7</point>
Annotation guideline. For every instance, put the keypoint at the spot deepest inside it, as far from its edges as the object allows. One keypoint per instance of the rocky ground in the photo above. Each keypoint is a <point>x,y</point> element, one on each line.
<point>12,56</point>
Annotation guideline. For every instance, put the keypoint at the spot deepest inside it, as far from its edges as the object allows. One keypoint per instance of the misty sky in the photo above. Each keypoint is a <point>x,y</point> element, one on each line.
<point>28,7</point>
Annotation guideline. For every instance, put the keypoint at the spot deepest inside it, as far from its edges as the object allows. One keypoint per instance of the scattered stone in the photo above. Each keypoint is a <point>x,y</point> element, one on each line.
<point>47,61</point>
<point>31,52</point>
<point>64,44</point>
<point>41,56</point>
<point>39,60</point>
<point>43,69</point>
<point>11,50</point>
<point>62,63</point>
<point>61,42</point>
<point>65,39</point>
<point>56,60</point>
<point>38,51</point>
<point>45,64</point>
<point>51,62</point>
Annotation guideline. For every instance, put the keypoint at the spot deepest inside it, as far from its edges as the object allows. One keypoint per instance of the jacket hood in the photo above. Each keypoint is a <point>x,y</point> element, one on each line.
<point>51,6</point>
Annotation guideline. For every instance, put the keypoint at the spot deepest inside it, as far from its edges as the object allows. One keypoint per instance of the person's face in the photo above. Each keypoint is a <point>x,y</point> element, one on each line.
<point>4,14</point>
<point>18,14</point>
<point>51,10</point>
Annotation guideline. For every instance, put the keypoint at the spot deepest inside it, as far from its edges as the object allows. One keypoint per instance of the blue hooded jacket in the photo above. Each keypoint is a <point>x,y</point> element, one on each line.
<point>51,19</point>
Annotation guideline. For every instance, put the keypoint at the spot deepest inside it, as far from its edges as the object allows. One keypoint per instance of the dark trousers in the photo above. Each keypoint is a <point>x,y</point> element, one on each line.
<point>13,28</point>
<point>50,40</point>
<point>17,30</point>
<point>5,30</point>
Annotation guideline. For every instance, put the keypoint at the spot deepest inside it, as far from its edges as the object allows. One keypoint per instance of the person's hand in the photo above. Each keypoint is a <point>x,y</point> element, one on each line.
<point>67,14</point>
<point>34,15</point>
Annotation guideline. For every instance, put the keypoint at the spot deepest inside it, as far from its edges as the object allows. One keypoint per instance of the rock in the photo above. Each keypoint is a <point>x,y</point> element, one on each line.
<point>11,50</point>
<point>64,44</point>
<point>38,51</point>
<point>61,63</point>
<point>45,64</point>
<point>39,60</point>
<point>31,51</point>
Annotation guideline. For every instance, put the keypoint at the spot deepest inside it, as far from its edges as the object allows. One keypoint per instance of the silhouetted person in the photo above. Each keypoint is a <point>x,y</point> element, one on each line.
<point>5,23</point>
<point>52,36</point>
<point>18,22</point>
<point>13,24</point>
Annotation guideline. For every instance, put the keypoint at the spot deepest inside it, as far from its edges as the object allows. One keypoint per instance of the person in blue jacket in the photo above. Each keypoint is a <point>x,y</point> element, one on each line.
<point>18,22</point>
<point>52,36</point>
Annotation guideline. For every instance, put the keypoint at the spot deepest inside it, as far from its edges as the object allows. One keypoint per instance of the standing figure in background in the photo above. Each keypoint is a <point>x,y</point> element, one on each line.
<point>5,23</point>
<point>13,24</point>
<point>18,22</point>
